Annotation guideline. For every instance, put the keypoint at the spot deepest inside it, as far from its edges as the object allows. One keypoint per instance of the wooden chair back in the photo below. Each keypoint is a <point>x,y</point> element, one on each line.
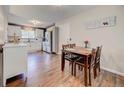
<point>98,54</point>
<point>72,45</point>
<point>93,56</point>
<point>68,46</point>
<point>65,46</point>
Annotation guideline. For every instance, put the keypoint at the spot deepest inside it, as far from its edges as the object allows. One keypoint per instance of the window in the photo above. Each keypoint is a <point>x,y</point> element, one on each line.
<point>28,34</point>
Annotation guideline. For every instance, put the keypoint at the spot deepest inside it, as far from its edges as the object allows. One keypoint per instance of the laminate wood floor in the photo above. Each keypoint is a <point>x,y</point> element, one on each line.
<point>44,70</point>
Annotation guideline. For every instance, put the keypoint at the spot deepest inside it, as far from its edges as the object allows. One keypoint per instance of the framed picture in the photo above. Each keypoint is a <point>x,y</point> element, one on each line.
<point>105,22</point>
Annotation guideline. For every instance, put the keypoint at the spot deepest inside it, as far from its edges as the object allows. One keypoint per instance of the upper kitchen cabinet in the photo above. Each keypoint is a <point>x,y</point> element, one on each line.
<point>14,30</point>
<point>39,33</point>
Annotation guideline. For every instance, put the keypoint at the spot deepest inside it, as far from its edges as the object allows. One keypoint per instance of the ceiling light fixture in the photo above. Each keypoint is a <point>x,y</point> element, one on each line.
<point>35,22</point>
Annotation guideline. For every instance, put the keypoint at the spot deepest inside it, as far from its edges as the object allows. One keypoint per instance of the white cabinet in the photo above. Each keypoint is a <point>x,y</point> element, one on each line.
<point>34,46</point>
<point>14,29</point>
<point>14,61</point>
<point>39,33</point>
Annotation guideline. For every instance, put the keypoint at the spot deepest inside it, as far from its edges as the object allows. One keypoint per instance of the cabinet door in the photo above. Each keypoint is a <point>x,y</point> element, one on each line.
<point>28,47</point>
<point>36,46</point>
<point>14,29</point>
<point>15,61</point>
<point>39,33</point>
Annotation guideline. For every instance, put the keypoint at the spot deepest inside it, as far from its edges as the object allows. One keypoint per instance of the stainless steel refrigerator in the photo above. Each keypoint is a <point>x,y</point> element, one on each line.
<point>50,44</point>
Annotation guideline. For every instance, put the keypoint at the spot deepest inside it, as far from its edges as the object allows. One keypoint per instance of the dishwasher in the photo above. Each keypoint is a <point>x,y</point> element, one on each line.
<point>1,66</point>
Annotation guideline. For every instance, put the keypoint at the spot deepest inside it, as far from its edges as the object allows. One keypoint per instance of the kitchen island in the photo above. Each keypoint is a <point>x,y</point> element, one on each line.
<point>14,60</point>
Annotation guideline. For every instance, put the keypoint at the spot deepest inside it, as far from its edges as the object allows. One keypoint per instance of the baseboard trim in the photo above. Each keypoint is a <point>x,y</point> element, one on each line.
<point>113,71</point>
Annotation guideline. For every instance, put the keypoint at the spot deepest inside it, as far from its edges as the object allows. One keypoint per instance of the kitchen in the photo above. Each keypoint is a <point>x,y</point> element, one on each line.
<point>20,40</point>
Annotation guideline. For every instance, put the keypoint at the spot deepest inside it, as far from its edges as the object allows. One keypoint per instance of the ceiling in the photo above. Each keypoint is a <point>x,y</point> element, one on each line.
<point>46,14</point>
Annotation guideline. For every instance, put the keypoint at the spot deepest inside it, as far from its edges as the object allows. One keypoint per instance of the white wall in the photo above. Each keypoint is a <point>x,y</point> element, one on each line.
<point>110,37</point>
<point>3,22</point>
<point>64,34</point>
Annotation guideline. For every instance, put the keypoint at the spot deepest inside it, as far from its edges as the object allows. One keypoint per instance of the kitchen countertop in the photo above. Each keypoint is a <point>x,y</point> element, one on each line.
<point>7,45</point>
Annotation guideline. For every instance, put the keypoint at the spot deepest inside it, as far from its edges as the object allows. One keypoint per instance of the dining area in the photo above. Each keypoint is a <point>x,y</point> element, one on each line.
<point>82,59</point>
<point>87,49</point>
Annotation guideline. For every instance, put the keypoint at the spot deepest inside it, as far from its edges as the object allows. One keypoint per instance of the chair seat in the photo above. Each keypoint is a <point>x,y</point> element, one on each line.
<point>70,57</point>
<point>82,60</point>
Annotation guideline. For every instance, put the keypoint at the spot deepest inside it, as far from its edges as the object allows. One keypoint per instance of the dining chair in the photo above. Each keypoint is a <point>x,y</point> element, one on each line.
<point>69,56</point>
<point>97,61</point>
<point>91,62</point>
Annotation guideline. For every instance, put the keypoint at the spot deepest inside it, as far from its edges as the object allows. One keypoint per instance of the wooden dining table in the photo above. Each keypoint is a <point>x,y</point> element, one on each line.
<point>84,52</point>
